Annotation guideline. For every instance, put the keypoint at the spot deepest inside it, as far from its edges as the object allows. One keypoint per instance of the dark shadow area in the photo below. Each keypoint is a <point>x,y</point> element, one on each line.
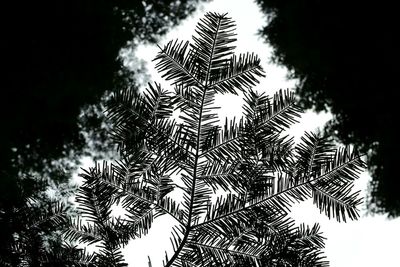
<point>346,55</point>
<point>57,58</point>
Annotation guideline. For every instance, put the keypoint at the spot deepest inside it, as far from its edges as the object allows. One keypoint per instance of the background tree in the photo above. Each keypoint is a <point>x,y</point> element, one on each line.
<point>228,189</point>
<point>346,54</point>
<point>58,57</point>
<point>30,228</point>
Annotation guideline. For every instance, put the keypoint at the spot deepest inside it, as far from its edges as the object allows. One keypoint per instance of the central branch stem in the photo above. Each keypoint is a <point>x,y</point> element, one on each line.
<point>193,190</point>
<point>197,155</point>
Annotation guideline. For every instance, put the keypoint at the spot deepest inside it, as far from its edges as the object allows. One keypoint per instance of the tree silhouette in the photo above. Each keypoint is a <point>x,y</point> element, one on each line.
<point>345,53</point>
<point>30,227</point>
<point>65,56</point>
<point>58,57</point>
<point>228,189</point>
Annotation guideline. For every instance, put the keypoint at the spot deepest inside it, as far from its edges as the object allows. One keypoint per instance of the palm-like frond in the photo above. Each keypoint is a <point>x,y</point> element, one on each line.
<point>271,115</point>
<point>81,232</point>
<point>256,172</point>
<point>36,226</point>
<point>332,191</point>
<point>223,143</point>
<point>297,247</point>
<point>51,216</point>
<point>179,64</point>
<point>68,255</point>
<point>213,46</point>
<point>240,73</point>
<point>222,175</point>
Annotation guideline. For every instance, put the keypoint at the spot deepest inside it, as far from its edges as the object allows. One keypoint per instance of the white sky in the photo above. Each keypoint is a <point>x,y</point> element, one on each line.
<point>370,241</point>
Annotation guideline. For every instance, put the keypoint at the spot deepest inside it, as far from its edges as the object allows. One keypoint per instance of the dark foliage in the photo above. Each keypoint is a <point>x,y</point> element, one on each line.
<point>237,182</point>
<point>30,226</point>
<point>346,55</point>
<point>58,57</point>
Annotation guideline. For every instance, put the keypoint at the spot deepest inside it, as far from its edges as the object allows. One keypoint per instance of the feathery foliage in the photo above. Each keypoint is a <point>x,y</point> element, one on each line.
<point>238,182</point>
<point>36,233</point>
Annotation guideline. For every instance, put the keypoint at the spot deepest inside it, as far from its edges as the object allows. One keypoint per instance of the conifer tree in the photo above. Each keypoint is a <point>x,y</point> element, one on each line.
<point>31,230</point>
<point>228,189</point>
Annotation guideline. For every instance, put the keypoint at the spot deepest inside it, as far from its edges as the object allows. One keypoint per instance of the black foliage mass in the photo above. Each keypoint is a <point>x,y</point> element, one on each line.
<point>228,189</point>
<point>31,228</point>
<point>58,56</point>
<point>346,55</point>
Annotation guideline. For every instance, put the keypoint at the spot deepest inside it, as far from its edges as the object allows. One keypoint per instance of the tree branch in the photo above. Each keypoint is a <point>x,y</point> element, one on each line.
<point>275,195</point>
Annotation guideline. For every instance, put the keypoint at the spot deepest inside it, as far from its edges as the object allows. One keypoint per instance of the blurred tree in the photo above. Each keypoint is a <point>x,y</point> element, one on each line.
<point>30,220</point>
<point>58,57</point>
<point>345,54</point>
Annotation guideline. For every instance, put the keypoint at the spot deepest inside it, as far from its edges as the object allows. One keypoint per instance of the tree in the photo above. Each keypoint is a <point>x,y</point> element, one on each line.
<point>31,228</point>
<point>63,57</point>
<point>58,57</point>
<point>228,189</point>
<point>345,54</point>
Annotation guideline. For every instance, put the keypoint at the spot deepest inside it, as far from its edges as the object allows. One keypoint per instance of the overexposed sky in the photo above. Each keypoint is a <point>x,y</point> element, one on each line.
<point>371,241</point>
